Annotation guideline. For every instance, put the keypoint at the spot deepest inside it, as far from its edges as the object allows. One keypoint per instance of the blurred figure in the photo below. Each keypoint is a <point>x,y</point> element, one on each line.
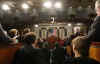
<point>13,33</point>
<point>61,42</point>
<point>40,42</point>
<point>26,30</point>
<point>94,32</point>
<point>70,38</point>
<point>54,54</point>
<point>81,50</point>
<point>51,42</point>
<point>4,38</point>
<point>29,53</point>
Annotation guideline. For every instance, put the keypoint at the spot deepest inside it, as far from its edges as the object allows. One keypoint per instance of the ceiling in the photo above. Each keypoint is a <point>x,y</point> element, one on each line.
<point>73,10</point>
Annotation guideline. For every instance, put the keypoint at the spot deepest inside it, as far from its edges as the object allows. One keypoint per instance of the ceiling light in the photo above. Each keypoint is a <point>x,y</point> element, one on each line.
<point>25,6</point>
<point>79,24</point>
<point>47,4</point>
<point>58,5</point>
<point>5,7</point>
<point>36,25</point>
<point>69,24</point>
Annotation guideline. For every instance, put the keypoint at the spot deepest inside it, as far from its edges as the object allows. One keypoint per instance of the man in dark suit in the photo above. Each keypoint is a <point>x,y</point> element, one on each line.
<point>54,54</point>
<point>29,53</point>
<point>94,32</point>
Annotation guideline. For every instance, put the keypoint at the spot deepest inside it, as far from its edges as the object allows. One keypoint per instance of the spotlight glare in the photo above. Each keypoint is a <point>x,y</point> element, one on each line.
<point>69,24</point>
<point>25,6</point>
<point>79,24</point>
<point>36,25</point>
<point>58,5</point>
<point>47,4</point>
<point>5,7</point>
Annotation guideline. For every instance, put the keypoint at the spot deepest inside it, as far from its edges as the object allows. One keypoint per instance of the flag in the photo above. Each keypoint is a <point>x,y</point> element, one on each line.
<point>52,32</point>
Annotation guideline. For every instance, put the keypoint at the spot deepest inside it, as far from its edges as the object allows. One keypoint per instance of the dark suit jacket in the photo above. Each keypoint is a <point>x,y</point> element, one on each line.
<point>94,32</point>
<point>81,60</point>
<point>29,55</point>
<point>58,55</point>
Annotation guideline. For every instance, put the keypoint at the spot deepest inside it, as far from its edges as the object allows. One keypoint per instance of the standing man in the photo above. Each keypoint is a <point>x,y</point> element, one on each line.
<point>54,54</point>
<point>94,33</point>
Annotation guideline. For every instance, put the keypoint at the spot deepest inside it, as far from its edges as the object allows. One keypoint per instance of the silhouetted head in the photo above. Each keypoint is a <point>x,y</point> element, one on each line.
<point>29,38</point>
<point>80,46</point>
<point>52,39</point>
<point>26,30</point>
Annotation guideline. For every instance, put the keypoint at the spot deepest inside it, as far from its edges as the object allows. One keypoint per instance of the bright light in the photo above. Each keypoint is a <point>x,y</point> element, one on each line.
<point>25,6</point>
<point>5,7</point>
<point>58,5</point>
<point>47,4</point>
<point>69,24</point>
<point>36,25</point>
<point>76,29</point>
<point>79,23</point>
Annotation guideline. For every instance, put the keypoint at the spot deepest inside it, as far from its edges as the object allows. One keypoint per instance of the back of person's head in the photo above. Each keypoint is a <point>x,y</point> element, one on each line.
<point>29,38</point>
<point>26,30</point>
<point>81,45</point>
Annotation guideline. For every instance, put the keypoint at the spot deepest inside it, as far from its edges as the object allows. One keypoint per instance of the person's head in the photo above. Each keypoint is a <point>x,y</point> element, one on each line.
<point>52,39</point>
<point>97,7</point>
<point>29,38</point>
<point>80,46</point>
<point>26,30</point>
<point>13,32</point>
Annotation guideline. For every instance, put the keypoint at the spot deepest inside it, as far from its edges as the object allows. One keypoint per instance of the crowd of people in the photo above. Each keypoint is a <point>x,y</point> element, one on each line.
<point>53,50</point>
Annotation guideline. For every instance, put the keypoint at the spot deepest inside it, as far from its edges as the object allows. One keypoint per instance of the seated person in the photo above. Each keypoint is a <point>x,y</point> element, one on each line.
<point>81,48</point>
<point>29,53</point>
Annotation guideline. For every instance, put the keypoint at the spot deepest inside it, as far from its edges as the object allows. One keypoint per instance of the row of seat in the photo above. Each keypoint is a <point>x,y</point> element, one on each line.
<point>7,53</point>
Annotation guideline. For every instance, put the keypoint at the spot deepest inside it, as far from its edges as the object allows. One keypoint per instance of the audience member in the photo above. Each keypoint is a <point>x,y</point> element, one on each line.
<point>61,42</point>
<point>26,30</point>
<point>40,43</point>
<point>51,42</point>
<point>29,53</point>
<point>81,50</point>
<point>53,53</point>
<point>94,32</point>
